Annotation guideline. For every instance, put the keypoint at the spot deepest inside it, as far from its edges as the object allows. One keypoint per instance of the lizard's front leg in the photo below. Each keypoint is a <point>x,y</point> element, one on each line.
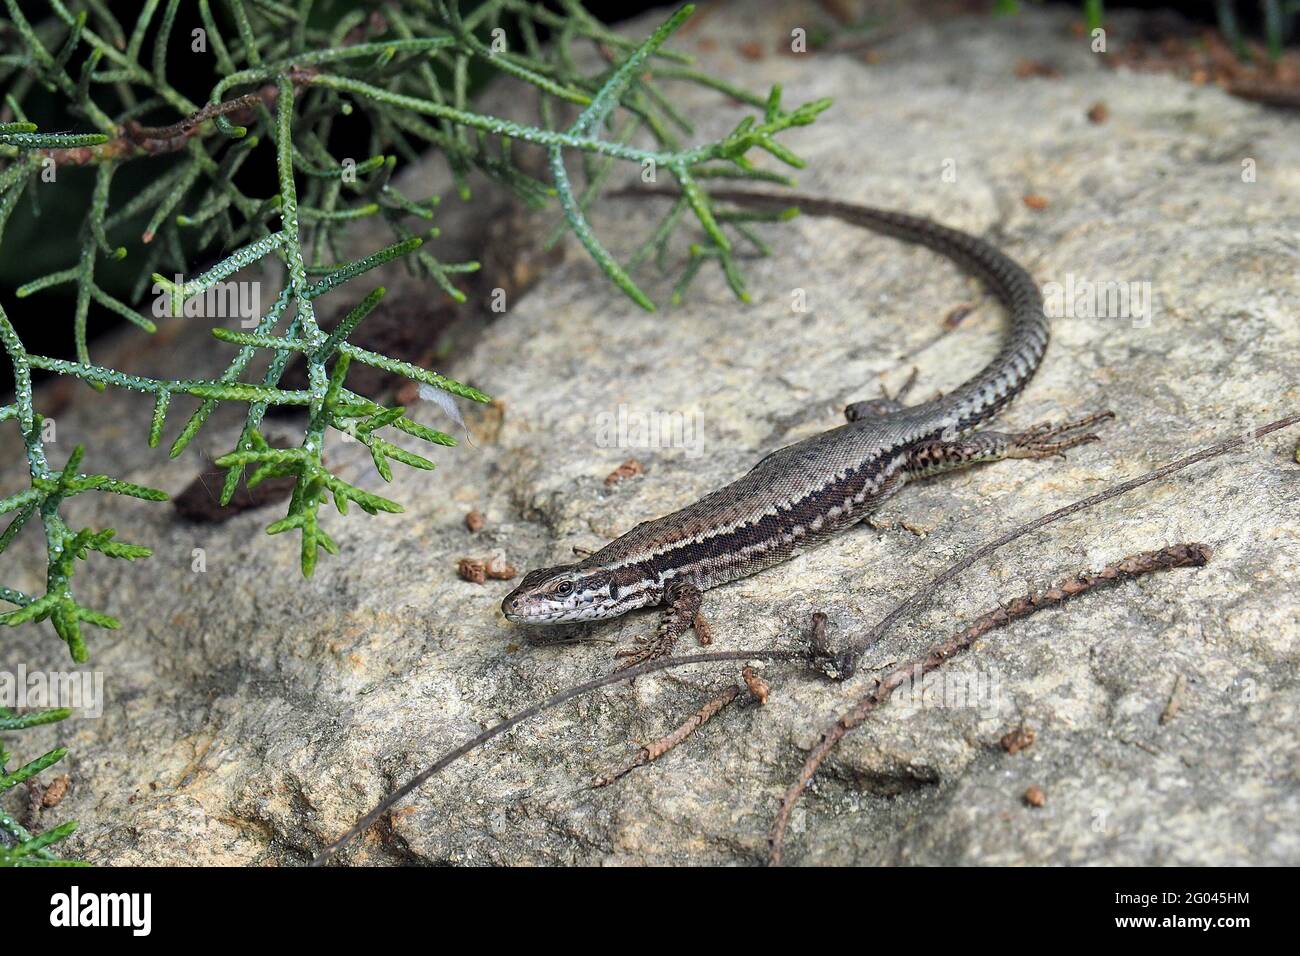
<point>1041,441</point>
<point>681,613</point>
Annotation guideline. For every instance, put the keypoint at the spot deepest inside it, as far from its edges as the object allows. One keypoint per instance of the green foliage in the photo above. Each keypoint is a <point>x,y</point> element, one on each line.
<point>282,74</point>
<point>43,498</point>
<point>18,847</point>
<point>1093,14</point>
<point>1278,22</point>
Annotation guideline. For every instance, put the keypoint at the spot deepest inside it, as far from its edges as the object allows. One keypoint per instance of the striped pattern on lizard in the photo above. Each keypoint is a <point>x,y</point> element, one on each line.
<point>801,495</point>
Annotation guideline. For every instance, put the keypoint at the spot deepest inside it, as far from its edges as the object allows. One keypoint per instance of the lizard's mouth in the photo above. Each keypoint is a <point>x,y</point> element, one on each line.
<point>521,607</point>
<point>515,608</point>
<point>527,609</point>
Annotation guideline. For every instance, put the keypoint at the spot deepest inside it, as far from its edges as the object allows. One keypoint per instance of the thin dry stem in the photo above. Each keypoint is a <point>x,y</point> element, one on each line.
<point>1174,556</point>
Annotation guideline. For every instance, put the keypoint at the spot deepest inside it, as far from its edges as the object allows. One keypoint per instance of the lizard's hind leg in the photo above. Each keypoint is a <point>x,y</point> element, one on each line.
<point>681,613</point>
<point>878,407</point>
<point>1041,441</point>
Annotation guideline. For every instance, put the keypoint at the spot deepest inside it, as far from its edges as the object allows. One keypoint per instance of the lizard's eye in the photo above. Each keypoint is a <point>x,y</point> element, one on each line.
<point>564,588</point>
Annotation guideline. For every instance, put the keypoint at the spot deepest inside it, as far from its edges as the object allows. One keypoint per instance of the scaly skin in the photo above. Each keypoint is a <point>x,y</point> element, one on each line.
<point>797,497</point>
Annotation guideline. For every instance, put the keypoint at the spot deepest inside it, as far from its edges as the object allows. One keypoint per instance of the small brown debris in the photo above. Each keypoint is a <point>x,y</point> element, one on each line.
<point>706,44</point>
<point>750,50</point>
<point>956,314</point>
<point>1035,201</point>
<point>472,570</point>
<point>1018,739</point>
<point>1175,700</point>
<point>629,469</point>
<point>702,629</point>
<point>1098,112</point>
<point>475,521</point>
<point>757,686</point>
<point>478,570</point>
<point>1034,796</point>
<point>1031,68</point>
<point>499,569</point>
<point>55,791</point>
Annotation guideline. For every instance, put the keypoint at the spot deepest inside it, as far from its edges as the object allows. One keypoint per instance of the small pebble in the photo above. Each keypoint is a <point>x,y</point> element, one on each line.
<point>629,469</point>
<point>1018,739</point>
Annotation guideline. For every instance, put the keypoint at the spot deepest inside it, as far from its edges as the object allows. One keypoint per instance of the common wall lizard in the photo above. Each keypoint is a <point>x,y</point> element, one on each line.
<point>799,496</point>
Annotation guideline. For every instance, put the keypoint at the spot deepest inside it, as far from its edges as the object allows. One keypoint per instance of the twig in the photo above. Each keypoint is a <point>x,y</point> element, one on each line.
<point>137,140</point>
<point>817,637</point>
<point>849,659</point>
<point>1174,556</point>
<point>652,752</point>
<point>564,696</point>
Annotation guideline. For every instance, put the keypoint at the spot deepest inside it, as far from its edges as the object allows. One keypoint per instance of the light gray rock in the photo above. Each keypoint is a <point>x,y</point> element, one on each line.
<point>251,716</point>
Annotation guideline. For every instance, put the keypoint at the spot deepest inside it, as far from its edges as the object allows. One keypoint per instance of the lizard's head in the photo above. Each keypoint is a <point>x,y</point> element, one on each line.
<point>567,593</point>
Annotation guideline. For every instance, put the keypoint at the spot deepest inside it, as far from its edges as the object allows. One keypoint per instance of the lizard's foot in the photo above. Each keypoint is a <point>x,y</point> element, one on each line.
<point>648,650</point>
<point>681,613</point>
<point>1048,440</point>
<point>878,407</point>
<point>1041,441</point>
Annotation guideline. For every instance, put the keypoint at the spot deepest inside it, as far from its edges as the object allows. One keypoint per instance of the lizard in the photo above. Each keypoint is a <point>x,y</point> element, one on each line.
<point>803,494</point>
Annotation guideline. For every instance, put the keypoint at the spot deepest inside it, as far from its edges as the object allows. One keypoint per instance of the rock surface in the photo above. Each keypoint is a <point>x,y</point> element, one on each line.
<point>250,716</point>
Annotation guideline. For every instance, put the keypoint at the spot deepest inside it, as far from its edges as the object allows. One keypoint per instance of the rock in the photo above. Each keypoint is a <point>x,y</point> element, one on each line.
<point>250,716</point>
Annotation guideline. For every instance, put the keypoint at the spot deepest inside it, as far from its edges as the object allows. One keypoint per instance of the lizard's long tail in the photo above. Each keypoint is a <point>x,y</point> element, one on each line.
<point>980,398</point>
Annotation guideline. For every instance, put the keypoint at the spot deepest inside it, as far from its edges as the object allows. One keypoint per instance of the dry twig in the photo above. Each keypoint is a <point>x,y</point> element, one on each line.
<point>563,697</point>
<point>652,752</point>
<point>1174,556</point>
<point>818,656</point>
<point>849,659</point>
<point>758,688</point>
<point>138,140</point>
